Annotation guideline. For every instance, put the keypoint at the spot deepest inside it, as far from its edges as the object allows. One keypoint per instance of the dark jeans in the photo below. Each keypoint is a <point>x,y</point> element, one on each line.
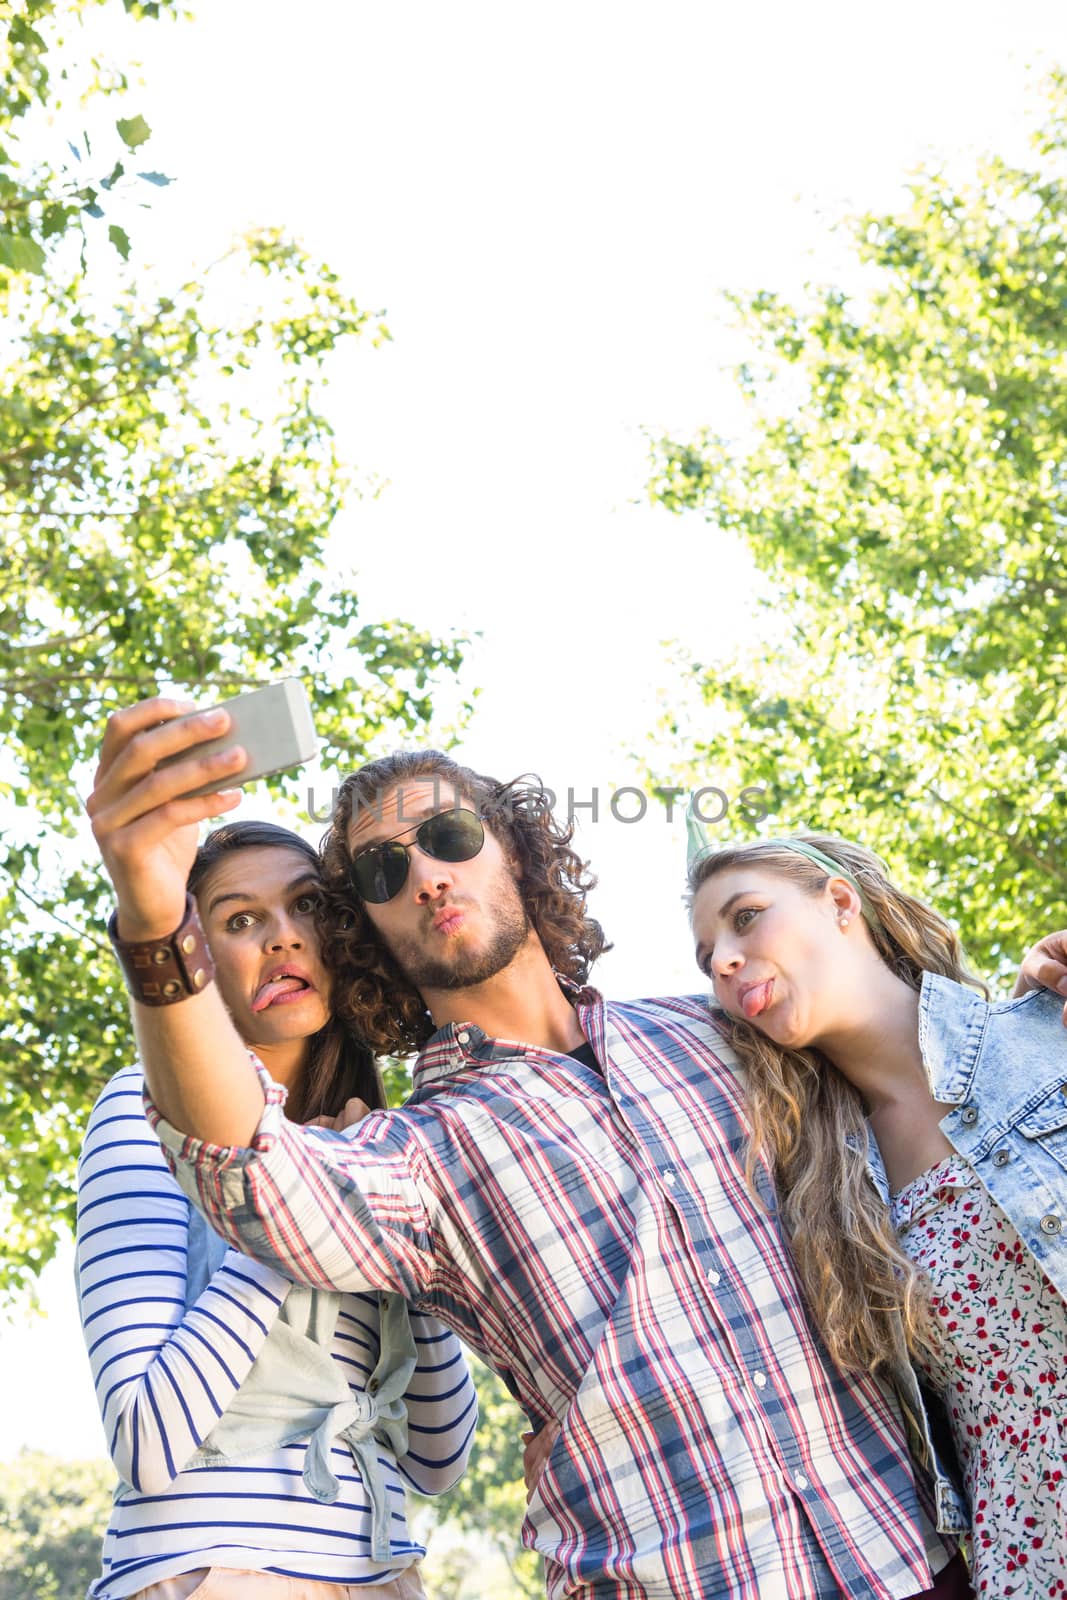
<point>952,1583</point>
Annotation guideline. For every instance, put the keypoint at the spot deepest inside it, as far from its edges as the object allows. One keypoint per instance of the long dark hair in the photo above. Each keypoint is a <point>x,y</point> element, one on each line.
<point>339,1064</point>
<point>552,879</point>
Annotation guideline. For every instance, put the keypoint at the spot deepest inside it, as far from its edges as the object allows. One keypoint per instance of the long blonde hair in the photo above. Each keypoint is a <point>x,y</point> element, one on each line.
<point>809,1122</point>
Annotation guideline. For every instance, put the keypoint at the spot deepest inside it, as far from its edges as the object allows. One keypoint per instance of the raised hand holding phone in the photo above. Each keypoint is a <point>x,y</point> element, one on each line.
<point>145,823</point>
<point>274,728</point>
<point>159,777</point>
<point>164,768</point>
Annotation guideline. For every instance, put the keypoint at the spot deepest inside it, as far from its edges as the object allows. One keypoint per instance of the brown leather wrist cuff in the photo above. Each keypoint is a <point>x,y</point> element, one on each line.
<point>163,971</point>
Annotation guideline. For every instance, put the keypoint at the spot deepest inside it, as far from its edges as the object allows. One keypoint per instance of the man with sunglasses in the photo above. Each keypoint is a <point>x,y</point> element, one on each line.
<point>573,1205</point>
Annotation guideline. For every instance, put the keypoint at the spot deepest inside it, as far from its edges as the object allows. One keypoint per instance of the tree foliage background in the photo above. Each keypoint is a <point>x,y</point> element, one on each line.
<point>489,1501</point>
<point>902,491</point>
<point>51,1516</point>
<point>168,481</point>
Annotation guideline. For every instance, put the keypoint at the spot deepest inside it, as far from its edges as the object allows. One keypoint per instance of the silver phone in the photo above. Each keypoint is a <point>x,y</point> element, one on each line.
<point>274,727</point>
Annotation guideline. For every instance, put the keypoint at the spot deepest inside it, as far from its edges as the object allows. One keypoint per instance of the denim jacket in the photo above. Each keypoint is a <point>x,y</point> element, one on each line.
<point>1003,1069</point>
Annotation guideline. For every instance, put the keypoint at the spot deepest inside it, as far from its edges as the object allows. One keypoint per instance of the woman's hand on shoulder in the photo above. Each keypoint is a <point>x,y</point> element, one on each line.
<point>1045,967</point>
<point>538,1448</point>
<point>351,1112</point>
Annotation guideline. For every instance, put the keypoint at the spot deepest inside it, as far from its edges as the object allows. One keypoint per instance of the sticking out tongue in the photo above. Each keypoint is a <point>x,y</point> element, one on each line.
<point>756,999</point>
<point>277,986</point>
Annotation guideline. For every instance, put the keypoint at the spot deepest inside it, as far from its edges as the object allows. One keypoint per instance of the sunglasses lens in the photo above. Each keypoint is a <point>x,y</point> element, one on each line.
<point>452,836</point>
<point>381,872</point>
<point>378,874</point>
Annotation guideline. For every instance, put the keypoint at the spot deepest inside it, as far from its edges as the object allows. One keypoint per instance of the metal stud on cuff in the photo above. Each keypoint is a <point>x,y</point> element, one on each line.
<point>162,972</point>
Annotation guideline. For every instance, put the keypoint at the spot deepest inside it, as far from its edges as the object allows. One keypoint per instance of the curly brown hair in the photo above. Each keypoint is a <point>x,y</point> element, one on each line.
<point>371,992</point>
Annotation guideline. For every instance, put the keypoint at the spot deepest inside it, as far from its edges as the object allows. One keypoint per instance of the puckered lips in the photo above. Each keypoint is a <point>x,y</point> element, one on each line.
<point>283,986</point>
<point>448,919</point>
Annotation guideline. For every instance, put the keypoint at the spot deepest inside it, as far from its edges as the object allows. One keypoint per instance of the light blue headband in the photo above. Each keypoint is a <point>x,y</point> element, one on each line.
<point>700,845</point>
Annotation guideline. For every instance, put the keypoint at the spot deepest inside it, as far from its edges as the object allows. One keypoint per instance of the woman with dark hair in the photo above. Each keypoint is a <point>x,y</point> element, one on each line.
<point>263,1432</point>
<point>917,1135</point>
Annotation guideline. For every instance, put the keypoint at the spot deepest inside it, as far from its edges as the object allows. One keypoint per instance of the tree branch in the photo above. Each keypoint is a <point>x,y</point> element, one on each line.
<point>1014,844</point>
<point>911,781</point>
<point>58,641</point>
<point>27,685</point>
<point>92,938</point>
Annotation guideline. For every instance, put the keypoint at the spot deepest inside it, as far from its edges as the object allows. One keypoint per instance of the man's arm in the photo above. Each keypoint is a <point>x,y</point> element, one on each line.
<point>196,1066</point>
<point>335,1211</point>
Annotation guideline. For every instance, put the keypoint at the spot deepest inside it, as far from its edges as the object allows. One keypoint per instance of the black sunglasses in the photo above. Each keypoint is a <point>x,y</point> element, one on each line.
<point>380,872</point>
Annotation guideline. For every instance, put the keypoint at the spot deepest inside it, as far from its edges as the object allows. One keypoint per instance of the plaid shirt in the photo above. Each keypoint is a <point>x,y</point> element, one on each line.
<point>590,1234</point>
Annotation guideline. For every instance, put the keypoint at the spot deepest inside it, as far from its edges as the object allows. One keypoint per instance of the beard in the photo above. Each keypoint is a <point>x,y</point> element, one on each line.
<point>464,968</point>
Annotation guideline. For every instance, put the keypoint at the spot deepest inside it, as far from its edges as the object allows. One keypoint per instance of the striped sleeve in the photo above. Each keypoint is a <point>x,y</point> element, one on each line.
<point>164,1373</point>
<point>442,1409</point>
<point>354,1193</point>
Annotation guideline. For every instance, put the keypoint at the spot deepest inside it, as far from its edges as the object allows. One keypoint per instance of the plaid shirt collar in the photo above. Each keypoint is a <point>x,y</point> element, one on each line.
<point>459,1045</point>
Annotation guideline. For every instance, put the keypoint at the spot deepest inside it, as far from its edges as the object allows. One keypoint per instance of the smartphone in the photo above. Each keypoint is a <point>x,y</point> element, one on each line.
<point>274,727</point>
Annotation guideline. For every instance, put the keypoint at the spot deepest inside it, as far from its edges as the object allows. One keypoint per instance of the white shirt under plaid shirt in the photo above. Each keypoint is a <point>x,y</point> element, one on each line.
<point>588,1231</point>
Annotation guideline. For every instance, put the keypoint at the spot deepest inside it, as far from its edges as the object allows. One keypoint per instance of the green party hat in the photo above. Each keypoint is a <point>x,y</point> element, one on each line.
<point>698,841</point>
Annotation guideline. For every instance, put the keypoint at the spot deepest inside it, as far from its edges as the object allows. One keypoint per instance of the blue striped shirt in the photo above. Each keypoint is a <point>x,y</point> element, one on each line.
<point>165,1372</point>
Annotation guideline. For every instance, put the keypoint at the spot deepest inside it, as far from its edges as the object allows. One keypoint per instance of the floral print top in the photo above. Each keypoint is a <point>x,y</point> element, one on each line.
<point>1001,1368</point>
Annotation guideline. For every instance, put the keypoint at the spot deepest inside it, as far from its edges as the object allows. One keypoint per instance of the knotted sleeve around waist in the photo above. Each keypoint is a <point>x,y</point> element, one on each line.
<point>361,1420</point>
<point>297,1391</point>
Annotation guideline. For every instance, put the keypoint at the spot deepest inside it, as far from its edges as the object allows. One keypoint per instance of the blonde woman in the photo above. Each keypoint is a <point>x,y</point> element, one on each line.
<point>872,1054</point>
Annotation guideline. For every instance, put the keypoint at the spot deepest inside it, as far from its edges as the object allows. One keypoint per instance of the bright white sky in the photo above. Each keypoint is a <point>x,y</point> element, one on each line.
<point>547,201</point>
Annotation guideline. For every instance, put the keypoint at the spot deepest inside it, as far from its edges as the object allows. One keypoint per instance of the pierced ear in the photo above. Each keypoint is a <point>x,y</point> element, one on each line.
<point>846,902</point>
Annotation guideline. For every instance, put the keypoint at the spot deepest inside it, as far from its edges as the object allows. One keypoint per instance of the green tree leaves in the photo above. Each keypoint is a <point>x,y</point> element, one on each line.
<point>903,496</point>
<point>168,485</point>
<point>52,1517</point>
<point>21,255</point>
<point>133,131</point>
<point>45,200</point>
